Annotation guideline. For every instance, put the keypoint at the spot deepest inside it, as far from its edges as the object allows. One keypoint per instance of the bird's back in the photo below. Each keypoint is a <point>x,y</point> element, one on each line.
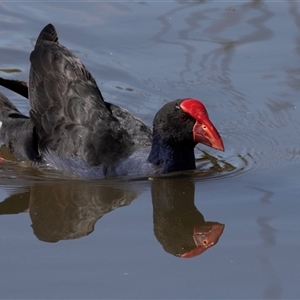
<point>71,118</point>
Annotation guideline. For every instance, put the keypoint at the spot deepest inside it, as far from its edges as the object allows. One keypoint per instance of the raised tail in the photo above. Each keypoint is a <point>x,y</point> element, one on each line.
<point>48,33</point>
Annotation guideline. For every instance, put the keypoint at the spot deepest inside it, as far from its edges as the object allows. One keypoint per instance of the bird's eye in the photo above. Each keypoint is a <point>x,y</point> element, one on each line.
<point>182,118</point>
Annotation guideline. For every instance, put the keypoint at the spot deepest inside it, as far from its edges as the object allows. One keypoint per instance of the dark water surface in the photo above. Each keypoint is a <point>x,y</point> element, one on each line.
<point>64,238</point>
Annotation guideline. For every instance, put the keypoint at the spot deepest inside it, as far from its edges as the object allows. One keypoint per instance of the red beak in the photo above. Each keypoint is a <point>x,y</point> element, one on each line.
<point>204,131</point>
<point>207,134</point>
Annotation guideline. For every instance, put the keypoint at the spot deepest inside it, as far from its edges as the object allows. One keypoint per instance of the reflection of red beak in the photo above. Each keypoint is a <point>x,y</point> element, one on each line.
<point>204,131</point>
<point>205,237</point>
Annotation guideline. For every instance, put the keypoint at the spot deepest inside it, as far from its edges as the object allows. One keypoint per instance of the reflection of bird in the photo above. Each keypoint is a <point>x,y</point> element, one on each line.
<point>178,225</point>
<point>71,127</point>
<point>66,210</point>
<point>69,210</point>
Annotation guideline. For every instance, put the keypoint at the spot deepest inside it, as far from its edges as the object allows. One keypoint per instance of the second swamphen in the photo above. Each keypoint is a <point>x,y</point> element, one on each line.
<point>71,128</point>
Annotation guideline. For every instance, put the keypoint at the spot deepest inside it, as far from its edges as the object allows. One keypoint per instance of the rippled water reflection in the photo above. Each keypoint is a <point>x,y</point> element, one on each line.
<point>242,60</point>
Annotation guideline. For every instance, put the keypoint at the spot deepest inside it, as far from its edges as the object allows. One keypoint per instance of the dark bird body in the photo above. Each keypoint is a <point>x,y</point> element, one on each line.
<point>71,128</point>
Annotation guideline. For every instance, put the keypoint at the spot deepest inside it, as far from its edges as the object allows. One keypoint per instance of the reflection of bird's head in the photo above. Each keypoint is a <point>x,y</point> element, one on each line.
<point>174,214</point>
<point>178,225</point>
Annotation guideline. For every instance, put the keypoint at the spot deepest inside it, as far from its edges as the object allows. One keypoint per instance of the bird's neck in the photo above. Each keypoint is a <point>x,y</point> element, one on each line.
<point>171,157</point>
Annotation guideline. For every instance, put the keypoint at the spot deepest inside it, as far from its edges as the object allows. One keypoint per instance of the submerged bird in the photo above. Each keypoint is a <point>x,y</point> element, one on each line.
<point>71,128</point>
